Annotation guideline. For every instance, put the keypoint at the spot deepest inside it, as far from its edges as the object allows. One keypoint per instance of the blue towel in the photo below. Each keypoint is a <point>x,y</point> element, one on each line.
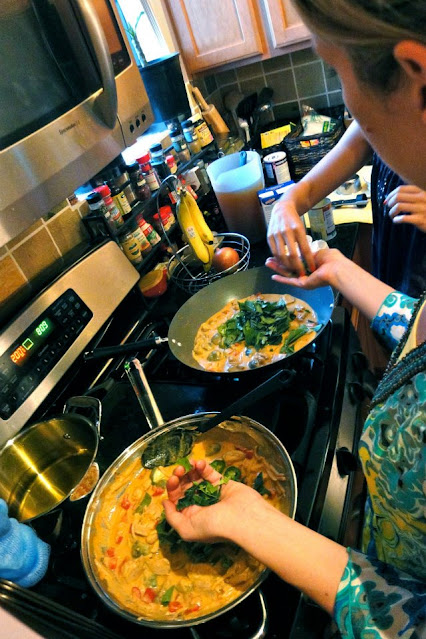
<point>23,556</point>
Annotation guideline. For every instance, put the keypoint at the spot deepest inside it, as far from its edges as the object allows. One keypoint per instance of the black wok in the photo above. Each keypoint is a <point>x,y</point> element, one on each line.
<point>209,300</point>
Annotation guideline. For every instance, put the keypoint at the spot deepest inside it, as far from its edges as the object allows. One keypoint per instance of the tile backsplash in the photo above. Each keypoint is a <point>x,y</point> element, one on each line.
<point>39,246</point>
<point>296,78</point>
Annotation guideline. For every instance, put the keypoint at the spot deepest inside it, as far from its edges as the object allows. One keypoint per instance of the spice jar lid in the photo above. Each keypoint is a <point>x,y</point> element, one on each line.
<point>93,198</point>
<point>144,159</point>
<point>164,211</point>
<point>156,148</point>
<point>174,133</point>
<point>187,124</point>
<point>104,190</point>
<point>133,168</point>
<point>170,159</point>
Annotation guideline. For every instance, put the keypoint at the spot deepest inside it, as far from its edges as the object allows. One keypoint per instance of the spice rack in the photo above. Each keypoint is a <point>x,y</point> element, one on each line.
<point>98,227</point>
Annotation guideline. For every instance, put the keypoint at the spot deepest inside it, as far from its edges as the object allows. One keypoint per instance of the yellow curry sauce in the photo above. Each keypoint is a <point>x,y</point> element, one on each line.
<point>209,353</point>
<point>145,577</point>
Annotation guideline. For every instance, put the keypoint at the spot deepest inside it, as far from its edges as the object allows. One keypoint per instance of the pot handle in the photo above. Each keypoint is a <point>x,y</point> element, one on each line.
<point>139,382</point>
<point>91,403</point>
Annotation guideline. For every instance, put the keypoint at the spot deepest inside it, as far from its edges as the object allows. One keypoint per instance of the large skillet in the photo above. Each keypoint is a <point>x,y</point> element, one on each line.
<point>212,298</point>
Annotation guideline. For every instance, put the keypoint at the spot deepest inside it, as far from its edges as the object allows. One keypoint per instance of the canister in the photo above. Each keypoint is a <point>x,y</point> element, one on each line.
<point>276,167</point>
<point>322,221</point>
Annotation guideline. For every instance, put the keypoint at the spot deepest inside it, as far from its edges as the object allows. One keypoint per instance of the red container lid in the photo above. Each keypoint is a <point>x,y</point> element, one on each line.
<point>144,159</point>
<point>103,190</point>
<point>170,160</point>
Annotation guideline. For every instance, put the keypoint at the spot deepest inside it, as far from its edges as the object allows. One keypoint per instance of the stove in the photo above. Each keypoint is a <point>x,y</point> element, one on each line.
<point>318,418</point>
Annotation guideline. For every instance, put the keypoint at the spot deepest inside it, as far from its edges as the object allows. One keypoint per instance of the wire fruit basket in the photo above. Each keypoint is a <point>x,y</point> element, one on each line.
<point>187,272</point>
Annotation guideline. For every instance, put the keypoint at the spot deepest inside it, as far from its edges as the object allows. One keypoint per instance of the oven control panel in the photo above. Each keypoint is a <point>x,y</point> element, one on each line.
<point>46,337</point>
<point>29,359</point>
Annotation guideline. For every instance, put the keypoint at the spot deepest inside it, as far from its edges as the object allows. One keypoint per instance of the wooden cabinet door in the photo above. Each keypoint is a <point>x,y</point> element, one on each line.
<point>284,24</point>
<point>214,32</point>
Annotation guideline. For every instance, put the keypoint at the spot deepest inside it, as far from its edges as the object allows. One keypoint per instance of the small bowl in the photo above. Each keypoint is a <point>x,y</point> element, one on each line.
<point>154,283</point>
<point>353,185</point>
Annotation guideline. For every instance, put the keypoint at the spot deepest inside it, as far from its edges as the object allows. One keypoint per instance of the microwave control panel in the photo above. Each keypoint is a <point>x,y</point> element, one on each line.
<point>33,355</point>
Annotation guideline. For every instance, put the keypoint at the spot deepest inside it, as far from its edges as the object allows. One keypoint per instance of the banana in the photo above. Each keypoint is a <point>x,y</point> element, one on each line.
<point>202,228</point>
<point>190,231</point>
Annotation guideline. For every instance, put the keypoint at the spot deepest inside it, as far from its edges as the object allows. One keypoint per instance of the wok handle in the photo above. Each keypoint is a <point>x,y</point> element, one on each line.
<point>279,380</point>
<point>139,382</point>
<point>123,349</point>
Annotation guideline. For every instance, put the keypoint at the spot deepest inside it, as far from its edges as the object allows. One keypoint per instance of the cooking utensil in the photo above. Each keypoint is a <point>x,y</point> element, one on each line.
<point>164,450</point>
<point>43,463</point>
<point>272,450</point>
<point>208,301</point>
<point>210,114</point>
<point>359,201</point>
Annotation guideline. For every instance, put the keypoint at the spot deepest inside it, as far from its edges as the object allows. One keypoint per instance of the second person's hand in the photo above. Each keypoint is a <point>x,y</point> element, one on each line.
<point>287,238</point>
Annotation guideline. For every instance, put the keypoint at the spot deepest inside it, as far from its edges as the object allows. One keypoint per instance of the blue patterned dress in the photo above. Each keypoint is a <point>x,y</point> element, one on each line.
<point>382,593</point>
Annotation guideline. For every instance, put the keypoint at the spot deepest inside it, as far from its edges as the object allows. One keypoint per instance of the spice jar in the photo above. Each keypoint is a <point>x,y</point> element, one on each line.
<point>131,248</point>
<point>113,210</point>
<point>150,233</point>
<point>158,162</point>
<point>139,184</point>
<point>191,137</point>
<point>121,201</point>
<point>180,145</point>
<point>171,163</point>
<point>165,214</point>
<point>203,132</point>
<point>140,236</point>
<point>97,206</point>
<point>149,173</point>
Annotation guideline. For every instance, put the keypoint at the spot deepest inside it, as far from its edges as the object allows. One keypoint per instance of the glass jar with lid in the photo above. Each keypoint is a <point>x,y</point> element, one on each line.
<point>148,172</point>
<point>191,136</point>
<point>203,132</point>
<point>180,145</point>
<point>158,161</point>
<point>139,184</point>
<point>113,210</point>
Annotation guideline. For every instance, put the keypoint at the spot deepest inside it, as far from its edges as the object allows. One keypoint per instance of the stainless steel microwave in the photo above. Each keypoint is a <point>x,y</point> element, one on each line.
<point>71,99</point>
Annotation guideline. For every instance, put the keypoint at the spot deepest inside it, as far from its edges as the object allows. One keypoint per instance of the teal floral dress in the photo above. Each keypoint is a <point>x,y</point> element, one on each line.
<point>382,593</point>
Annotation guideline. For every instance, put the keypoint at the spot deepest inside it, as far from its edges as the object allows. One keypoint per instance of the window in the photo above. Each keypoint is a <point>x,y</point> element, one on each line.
<point>143,31</point>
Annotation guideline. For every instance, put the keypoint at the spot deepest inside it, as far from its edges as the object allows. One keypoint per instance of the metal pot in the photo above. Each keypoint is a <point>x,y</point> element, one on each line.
<point>272,449</point>
<point>41,465</point>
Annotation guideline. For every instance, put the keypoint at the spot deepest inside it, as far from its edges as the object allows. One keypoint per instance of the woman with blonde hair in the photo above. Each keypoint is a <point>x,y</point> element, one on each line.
<point>378,48</point>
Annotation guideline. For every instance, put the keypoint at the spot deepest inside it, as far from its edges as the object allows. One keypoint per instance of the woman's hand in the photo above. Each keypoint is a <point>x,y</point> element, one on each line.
<point>407,205</point>
<point>210,523</point>
<point>287,237</point>
<point>326,265</point>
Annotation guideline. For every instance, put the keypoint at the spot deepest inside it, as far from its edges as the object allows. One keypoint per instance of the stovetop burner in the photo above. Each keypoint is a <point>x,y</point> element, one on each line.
<point>306,417</point>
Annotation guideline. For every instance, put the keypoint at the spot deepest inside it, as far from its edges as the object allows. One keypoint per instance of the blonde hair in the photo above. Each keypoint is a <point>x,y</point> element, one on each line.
<point>368,30</point>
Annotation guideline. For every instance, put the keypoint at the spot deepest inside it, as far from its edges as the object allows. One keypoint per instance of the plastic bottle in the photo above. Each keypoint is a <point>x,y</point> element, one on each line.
<point>150,233</point>
<point>114,212</point>
<point>149,172</point>
<point>121,201</point>
<point>139,184</point>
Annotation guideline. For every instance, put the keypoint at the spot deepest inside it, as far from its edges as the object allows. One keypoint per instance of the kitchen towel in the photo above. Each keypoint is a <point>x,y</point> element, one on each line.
<point>23,556</point>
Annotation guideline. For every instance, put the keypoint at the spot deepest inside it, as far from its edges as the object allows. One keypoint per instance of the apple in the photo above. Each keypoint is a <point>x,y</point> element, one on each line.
<point>225,258</point>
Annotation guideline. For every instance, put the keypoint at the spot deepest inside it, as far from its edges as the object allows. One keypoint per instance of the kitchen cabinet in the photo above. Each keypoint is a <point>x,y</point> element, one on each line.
<point>211,34</point>
<point>284,25</point>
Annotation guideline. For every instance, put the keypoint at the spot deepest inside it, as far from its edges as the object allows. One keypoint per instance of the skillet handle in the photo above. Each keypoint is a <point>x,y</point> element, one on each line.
<point>136,375</point>
<point>279,380</point>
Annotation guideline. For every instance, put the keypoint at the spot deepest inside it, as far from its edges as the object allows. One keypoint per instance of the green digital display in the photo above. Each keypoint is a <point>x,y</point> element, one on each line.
<point>32,342</point>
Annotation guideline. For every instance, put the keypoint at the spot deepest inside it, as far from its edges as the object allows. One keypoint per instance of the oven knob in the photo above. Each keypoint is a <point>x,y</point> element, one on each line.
<point>346,461</point>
